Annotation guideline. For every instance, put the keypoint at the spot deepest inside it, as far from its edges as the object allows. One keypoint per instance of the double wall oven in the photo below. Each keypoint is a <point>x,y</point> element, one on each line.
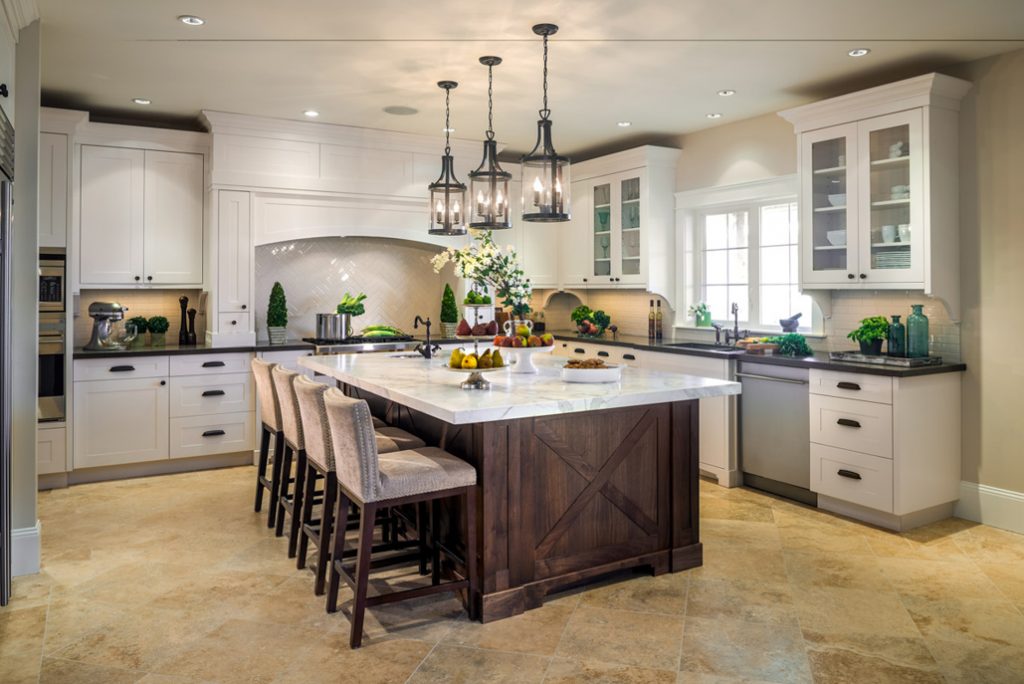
<point>52,329</point>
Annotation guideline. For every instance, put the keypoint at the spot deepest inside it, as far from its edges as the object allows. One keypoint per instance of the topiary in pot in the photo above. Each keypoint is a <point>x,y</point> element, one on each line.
<point>870,335</point>
<point>141,326</point>
<point>449,313</point>
<point>277,315</point>
<point>158,326</point>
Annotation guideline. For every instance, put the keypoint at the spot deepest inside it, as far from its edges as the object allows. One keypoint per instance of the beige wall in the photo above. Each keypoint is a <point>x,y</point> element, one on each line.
<point>992,254</point>
<point>748,150</point>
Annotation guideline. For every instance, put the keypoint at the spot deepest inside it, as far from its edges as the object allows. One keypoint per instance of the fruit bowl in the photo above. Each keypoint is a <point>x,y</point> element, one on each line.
<point>476,379</point>
<point>524,357</point>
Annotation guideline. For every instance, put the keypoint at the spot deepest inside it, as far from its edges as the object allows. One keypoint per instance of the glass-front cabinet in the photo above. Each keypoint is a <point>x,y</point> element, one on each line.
<point>617,229</point>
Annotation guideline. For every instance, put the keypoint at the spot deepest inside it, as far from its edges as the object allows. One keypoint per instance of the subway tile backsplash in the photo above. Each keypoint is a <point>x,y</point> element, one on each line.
<point>146,303</point>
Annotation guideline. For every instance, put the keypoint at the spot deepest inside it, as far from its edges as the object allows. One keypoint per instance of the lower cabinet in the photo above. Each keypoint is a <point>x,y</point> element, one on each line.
<point>120,421</point>
<point>206,435</point>
<point>51,450</point>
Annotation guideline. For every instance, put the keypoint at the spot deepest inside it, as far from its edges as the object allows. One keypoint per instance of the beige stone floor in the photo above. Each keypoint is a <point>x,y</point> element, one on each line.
<point>175,579</point>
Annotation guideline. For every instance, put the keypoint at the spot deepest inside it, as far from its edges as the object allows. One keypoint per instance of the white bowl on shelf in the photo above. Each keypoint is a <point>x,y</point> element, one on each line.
<point>836,238</point>
<point>837,199</point>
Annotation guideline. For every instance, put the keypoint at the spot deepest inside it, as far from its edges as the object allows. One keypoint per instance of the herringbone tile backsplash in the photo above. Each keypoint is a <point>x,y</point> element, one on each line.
<point>396,276</point>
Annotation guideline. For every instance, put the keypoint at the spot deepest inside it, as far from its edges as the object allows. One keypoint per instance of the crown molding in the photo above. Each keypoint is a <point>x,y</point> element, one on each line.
<point>635,158</point>
<point>20,13</point>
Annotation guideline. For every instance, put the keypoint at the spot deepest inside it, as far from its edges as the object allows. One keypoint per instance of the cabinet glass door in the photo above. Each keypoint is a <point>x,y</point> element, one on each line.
<point>631,222</point>
<point>891,160</point>
<point>602,209</point>
<point>829,205</point>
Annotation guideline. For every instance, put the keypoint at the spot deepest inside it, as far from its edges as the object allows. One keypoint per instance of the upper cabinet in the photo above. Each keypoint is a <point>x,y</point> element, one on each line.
<point>878,188</point>
<point>53,190</point>
<point>8,43</point>
<point>141,217</point>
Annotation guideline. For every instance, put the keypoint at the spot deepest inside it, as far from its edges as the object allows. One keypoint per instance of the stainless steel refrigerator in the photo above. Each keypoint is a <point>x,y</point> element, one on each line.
<point>6,224</point>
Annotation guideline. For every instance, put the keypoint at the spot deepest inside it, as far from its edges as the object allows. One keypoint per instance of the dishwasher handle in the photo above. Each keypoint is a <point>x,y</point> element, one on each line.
<point>755,376</point>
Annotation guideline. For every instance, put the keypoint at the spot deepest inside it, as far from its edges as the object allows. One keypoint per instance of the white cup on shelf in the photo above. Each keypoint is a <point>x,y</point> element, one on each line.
<point>889,233</point>
<point>904,232</point>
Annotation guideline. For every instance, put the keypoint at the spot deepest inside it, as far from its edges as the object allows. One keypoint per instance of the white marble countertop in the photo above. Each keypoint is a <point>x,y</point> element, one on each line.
<point>429,387</point>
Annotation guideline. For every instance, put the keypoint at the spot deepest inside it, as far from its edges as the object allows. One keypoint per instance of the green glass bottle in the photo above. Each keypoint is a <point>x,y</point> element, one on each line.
<point>897,338</point>
<point>917,332</point>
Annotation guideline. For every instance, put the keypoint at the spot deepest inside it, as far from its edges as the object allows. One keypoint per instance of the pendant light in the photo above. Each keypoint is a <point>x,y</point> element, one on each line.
<point>447,194</point>
<point>546,180</point>
<point>488,185</point>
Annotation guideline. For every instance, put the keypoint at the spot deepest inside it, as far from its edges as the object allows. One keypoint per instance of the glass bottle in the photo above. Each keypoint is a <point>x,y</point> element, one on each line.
<point>897,338</point>
<point>917,332</point>
<point>651,322</point>
<point>658,332</point>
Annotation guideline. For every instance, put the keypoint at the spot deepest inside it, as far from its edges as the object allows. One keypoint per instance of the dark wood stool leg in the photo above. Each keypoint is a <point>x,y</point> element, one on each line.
<point>421,532</point>
<point>435,542</point>
<point>369,514</point>
<point>295,531</point>
<point>275,480</point>
<point>261,468</point>
<point>326,523</point>
<point>286,475</point>
<point>337,551</point>
<point>307,513</point>
<point>471,561</point>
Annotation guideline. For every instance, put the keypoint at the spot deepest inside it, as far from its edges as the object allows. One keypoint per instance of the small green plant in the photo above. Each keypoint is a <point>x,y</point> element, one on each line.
<point>449,309</point>
<point>158,325</point>
<point>699,310</point>
<point>871,329</point>
<point>792,344</point>
<point>277,308</point>
<point>141,324</point>
<point>352,305</point>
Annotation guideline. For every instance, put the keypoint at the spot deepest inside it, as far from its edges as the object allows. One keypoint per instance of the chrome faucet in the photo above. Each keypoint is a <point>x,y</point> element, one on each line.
<point>735,335</point>
<point>425,349</point>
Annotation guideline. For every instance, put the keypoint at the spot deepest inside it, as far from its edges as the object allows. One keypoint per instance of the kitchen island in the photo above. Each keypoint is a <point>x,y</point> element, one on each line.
<point>575,480</point>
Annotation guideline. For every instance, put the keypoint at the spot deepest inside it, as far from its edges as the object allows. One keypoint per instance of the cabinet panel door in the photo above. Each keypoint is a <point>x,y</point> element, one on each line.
<point>120,421</point>
<point>111,229</point>
<point>53,190</point>
<point>174,218</point>
<point>829,206</point>
<point>632,229</point>
<point>574,240</point>
<point>234,251</point>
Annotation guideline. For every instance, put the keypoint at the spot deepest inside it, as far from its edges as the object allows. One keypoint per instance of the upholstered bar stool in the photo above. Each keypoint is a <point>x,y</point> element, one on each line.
<point>270,428</point>
<point>289,498</point>
<point>319,461</point>
<point>368,481</point>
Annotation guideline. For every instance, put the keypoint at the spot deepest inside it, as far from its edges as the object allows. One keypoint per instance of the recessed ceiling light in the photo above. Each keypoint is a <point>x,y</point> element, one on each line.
<point>714,115</point>
<point>624,124</point>
<point>727,92</point>
<point>142,100</point>
<point>191,20</point>
<point>447,130</point>
<point>401,110</point>
<point>311,113</point>
<point>858,52</point>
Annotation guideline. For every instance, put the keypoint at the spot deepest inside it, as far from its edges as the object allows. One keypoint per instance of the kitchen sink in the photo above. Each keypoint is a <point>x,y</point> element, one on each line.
<point>714,348</point>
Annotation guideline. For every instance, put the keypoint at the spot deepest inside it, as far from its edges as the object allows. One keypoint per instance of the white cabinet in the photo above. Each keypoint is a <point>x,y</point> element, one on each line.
<point>8,41</point>
<point>234,252</point>
<point>120,421</point>
<point>53,190</point>
<point>141,217</point>
<point>51,450</point>
<point>878,188</point>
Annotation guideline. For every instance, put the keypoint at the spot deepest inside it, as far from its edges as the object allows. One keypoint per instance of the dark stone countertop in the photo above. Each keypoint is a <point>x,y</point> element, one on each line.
<point>175,350</point>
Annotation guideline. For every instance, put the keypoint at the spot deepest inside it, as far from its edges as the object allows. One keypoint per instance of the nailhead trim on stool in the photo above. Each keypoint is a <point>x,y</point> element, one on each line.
<point>270,416</point>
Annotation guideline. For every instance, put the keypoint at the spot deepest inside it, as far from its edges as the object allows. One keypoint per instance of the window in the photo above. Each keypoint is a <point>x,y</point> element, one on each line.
<point>747,255</point>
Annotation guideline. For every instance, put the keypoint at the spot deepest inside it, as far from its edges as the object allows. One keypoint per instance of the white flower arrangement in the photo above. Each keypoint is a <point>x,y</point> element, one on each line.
<point>484,263</point>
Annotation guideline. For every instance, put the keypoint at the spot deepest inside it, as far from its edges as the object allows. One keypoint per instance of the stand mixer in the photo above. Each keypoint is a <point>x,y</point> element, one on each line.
<point>104,315</point>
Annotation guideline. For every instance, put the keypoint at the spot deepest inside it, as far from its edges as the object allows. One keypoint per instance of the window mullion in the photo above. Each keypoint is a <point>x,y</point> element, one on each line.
<point>754,266</point>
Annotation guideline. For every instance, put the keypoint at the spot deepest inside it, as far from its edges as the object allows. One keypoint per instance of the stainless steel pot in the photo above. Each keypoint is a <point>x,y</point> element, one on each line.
<point>332,327</point>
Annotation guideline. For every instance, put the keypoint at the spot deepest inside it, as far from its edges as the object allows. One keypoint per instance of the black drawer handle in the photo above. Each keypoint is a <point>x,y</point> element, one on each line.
<point>848,473</point>
<point>848,385</point>
<point>578,350</point>
<point>602,353</point>
<point>213,364</point>
<point>213,393</point>
<point>629,357</point>
<point>214,433</point>
<point>121,369</point>
<point>848,423</point>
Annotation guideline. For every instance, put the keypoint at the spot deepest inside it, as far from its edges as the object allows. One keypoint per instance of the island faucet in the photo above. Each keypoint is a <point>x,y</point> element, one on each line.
<point>425,349</point>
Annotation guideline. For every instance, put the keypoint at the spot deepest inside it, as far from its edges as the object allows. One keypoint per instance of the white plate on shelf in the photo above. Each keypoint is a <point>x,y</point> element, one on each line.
<point>610,373</point>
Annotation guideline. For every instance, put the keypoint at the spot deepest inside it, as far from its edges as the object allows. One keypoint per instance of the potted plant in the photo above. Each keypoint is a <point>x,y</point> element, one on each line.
<point>870,335</point>
<point>141,324</point>
<point>158,326</point>
<point>350,307</point>
<point>449,313</point>
<point>277,315</point>
<point>701,315</point>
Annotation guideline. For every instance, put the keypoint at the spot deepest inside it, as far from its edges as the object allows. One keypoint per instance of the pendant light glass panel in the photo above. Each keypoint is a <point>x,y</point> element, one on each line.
<point>447,194</point>
<point>488,185</point>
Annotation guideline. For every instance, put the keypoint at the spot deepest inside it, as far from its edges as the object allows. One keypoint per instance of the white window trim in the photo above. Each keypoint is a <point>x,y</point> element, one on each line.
<point>693,205</point>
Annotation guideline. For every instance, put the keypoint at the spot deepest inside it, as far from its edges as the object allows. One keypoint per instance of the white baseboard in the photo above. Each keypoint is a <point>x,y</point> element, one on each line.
<point>1001,508</point>
<point>25,550</point>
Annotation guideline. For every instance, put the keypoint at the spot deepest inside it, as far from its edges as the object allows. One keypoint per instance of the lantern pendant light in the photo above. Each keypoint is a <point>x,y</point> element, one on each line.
<point>447,194</point>
<point>488,185</point>
<point>546,180</point>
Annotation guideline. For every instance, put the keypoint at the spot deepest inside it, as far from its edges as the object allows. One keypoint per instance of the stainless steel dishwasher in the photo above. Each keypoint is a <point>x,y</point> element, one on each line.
<point>775,442</point>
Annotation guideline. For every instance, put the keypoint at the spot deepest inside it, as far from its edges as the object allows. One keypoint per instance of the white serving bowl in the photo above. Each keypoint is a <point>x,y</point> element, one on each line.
<point>837,200</point>
<point>610,373</point>
<point>836,238</point>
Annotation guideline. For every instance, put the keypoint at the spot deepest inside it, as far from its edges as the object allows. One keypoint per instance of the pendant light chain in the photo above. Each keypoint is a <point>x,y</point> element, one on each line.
<point>447,121</point>
<point>490,101</point>
<point>545,112</point>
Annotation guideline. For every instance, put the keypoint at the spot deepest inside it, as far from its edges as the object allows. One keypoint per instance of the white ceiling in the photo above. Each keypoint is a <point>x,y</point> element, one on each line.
<point>655,63</point>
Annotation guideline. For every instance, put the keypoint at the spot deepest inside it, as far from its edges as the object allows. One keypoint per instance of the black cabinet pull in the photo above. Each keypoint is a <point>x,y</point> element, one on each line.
<point>848,423</point>
<point>578,350</point>
<point>214,433</point>
<point>629,357</point>
<point>584,280</point>
<point>234,322</point>
<point>848,473</point>
<point>213,393</point>
<point>121,369</point>
<point>602,353</point>
<point>213,364</point>
<point>850,276</point>
<point>149,278</point>
<point>137,278</point>
<point>3,90</point>
<point>243,307</point>
<point>848,385</point>
<point>863,276</point>
<point>163,382</point>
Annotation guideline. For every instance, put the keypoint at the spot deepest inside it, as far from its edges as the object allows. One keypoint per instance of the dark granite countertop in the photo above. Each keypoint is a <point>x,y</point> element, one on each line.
<point>820,360</point>
<point>175,350</point>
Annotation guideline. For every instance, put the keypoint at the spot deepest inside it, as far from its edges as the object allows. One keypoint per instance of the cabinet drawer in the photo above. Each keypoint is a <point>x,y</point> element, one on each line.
<point>206,435</point>
<point>51,451</point>
<point>877,388</point>
<point>199,395</point>
<point>849,424</point>
<point>850,476</point>
<point>210,364</point>
<point>232,323</point>
<point>611,354</point>
<point>141,366</point>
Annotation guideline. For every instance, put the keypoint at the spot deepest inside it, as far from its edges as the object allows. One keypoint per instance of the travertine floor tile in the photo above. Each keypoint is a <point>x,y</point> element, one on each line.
<point>329,659</point>
<point>846,611</point>
<point>457,664</point>
<point>21,643</point>
<point>535,631</point>
<point>937,579</point>
<point>58,671</point>
<point>564,671</point>
<point>997,622</point>
<point>748,600</point>
<point>870,658</point>
<point>1008,577</point>
<point>624,637</point>
<point>736,648</point>
<point>661,594</point>
<point>813,569</point>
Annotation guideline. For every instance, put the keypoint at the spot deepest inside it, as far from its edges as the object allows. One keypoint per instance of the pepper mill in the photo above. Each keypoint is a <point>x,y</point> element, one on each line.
<point>183,331</point>
<point>192,327</point>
